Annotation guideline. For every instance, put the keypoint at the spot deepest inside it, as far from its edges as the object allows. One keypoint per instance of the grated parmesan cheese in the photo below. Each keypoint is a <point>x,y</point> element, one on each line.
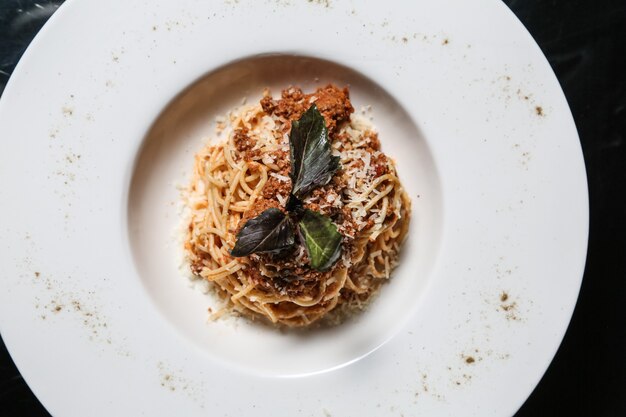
<point>279,177</point>
<point>268,159</point>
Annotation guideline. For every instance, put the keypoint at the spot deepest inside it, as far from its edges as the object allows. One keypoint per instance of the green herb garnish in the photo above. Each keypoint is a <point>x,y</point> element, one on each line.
<point>312,166</point>
<point>321,239</point>
<point>270,231</point>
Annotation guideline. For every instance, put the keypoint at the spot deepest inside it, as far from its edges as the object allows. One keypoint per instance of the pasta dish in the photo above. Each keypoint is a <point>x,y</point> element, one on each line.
<point>297,214</point>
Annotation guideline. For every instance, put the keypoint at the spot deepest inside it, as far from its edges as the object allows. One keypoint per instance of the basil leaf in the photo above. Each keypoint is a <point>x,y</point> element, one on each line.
<point>321,239</point>
<point>312,164</point>
<point>270,231</point>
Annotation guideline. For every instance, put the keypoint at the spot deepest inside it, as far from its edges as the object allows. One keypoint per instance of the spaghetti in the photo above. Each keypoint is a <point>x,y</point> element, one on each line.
<point>237,179</point>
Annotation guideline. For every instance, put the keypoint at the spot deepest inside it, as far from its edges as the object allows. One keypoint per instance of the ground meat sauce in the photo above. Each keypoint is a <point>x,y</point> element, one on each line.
<point>332,102</point>
<point>297,277</point>
<point>275,186</point>
<point>245,144</point>
<point>259,206</point>
<point>380,163</point>
<point>372,142</point>
<point>294,277</point>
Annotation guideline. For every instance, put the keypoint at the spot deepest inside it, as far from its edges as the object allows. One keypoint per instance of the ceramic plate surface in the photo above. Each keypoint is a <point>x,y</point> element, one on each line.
<point>98,128</point>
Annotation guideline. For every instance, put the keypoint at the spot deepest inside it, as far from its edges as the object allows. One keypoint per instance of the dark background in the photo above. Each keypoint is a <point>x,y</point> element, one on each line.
<point>585,42</point>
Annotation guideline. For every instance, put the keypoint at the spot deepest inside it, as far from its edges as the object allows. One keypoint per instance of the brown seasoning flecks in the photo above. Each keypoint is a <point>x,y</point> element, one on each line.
<point>173,382</point>
<point>509,307</point>
<point>63,302</point>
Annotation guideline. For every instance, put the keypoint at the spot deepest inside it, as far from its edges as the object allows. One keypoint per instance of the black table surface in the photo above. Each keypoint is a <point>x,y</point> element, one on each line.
<point>585,42</point>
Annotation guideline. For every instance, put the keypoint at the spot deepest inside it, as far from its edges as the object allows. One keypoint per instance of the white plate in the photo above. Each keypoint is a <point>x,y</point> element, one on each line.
<point>99,124</point>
